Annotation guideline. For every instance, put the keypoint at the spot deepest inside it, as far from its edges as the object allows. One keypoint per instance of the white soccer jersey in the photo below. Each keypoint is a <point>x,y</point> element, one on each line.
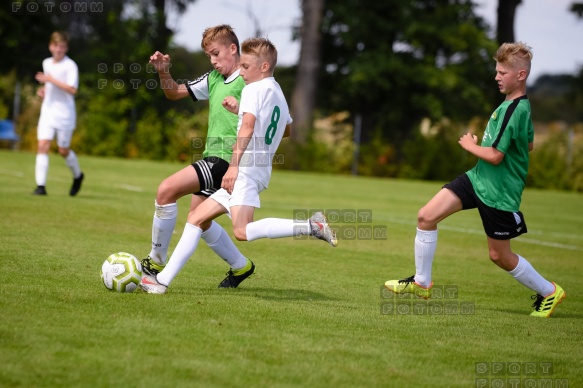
<point>58,107</point>
<point>264,100</point>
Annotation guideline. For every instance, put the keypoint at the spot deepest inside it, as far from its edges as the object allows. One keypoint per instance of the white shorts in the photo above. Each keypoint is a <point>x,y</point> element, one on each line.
<point>245,193</point>
<point>64,136</point>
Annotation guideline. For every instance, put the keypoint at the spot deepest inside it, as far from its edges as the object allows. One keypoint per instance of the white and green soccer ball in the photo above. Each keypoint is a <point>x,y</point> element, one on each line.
<point>121,272</point>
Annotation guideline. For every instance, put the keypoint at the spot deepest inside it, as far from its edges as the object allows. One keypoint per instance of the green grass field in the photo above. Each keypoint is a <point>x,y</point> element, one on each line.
<point>311,316</point>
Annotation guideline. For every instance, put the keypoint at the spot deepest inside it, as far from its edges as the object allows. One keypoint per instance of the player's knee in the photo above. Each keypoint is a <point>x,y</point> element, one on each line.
<point>43,147</point>
<point>496,256</point>
<point>165,193</point>
<point>240,234</point>
<point>425,220</point>
<point>64,152</point>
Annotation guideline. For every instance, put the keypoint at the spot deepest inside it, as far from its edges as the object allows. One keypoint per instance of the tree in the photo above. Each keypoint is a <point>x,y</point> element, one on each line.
<point>577,8</point>
<point>304,93</point>
<point>505,20</point>
<point>399,62</point>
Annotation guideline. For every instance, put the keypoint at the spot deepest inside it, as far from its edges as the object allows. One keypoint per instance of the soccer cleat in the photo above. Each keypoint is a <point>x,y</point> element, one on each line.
<point>320,229</point>
<point>150,267</point>
<point>40,190</point>
<point>150,284</point>
<point>76,185</point>
<point>234,278</point>
<point>545,305</point>
<point>408,286</point>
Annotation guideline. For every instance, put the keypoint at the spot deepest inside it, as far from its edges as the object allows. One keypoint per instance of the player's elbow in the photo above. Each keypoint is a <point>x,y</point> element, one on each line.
<point>497,158</point>
<point>171,95</point>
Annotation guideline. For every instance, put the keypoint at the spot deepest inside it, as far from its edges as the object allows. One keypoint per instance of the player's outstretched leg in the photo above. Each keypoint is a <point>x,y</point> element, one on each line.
<point>320,229</point>
<point>235,277</point>
<point>409,286</point>
<point>545,305</point>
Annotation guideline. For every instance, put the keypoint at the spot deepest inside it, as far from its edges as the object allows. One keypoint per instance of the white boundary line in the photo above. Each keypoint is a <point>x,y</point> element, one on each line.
<point>521,239</point>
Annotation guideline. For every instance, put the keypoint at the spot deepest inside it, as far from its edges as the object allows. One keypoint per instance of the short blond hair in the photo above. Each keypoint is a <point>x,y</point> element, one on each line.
<point>261,48</point>
<point>515,55</point>
<point>59,37</point>
<point>222,34</point>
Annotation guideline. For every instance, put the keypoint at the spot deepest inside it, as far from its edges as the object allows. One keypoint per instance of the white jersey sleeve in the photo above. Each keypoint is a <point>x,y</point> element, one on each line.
<point>199,88</point>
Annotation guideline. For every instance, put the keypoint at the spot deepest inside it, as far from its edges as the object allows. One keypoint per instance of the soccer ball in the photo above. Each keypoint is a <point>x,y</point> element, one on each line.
<point>121,272</point>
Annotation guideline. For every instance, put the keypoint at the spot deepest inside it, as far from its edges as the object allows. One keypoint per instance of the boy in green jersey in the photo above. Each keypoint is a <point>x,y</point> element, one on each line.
<point>494,186</point>
<point>204,177</point>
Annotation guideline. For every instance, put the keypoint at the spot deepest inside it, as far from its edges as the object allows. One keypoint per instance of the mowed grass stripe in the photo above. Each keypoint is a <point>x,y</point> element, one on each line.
<point>312,315</point>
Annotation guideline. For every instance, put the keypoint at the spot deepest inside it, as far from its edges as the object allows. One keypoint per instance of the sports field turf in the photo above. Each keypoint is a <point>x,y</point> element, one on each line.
<point>311,316</point>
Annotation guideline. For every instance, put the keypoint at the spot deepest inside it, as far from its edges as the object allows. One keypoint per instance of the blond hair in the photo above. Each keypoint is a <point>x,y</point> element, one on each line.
<point>261,48</point>
<point>517,55</point>
<point>59,37</point>
<point>222,34</point>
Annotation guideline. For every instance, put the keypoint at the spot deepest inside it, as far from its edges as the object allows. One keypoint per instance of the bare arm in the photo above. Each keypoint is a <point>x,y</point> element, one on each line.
<point>172,90</point>
<point>530,146</point>
<point>243,138</point>
<point>44,78</point>
<point>491,155</point>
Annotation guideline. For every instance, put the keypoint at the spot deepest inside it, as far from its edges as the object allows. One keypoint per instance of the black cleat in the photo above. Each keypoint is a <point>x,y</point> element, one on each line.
<point>232,280</point>
<point>150,267</point>
<point>76,185</point>
<point>40,190</point>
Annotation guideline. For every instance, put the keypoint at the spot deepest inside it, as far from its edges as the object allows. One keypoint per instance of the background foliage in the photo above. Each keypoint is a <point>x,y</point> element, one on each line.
<point>417,75</point>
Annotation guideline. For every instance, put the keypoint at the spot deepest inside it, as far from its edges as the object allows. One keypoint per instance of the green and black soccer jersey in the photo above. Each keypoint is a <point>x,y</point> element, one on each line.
<point>222,124</point>
<point>510,131</point>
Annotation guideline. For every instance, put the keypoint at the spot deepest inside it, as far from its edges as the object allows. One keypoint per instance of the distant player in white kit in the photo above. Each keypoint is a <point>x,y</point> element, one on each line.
<point>60,79</point>
<point>263,121</point>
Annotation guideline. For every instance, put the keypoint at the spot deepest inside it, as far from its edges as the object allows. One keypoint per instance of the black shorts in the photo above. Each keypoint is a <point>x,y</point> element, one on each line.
<point>498,224</point>
<point>210,171</point>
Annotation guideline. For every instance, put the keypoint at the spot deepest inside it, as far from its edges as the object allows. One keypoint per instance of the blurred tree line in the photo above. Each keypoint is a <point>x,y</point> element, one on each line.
<point>381,88</point>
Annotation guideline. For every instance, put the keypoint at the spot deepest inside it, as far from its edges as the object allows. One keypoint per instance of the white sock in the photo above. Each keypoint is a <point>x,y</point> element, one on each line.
<point>425,244</point>
<point>220,242</point>
<point>528,277</point>
<point>73,164</point>
<point>276,228</point>
<point>41,169</point>
<point>162,229</point>
<point>185,248</point>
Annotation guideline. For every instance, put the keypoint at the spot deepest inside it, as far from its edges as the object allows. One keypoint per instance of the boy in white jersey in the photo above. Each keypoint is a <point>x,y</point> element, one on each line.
<point>494,186</point>
<point>60,79</point>
<point>263,120</point>
<point>203,177</point>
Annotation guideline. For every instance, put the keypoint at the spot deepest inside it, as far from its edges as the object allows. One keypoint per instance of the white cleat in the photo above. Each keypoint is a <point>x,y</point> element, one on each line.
<point>320,229</point>
<point>150,284</point>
